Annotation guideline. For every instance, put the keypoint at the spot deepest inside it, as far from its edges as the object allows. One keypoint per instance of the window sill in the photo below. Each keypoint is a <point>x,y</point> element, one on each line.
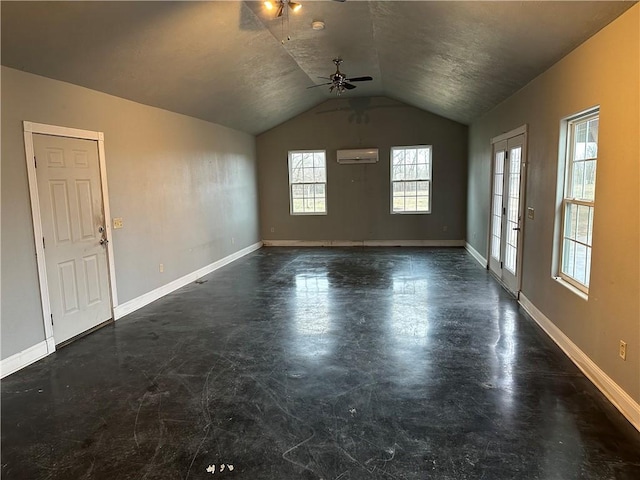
<point>411,213</point>
<point>575,290</point>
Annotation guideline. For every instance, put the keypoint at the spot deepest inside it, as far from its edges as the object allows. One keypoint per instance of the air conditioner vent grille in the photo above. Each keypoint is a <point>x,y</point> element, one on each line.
<point>357,155</point>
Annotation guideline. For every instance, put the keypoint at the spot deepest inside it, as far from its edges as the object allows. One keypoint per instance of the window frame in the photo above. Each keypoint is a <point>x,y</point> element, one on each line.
<point>569,199</point>
<point>291,183</point>
<point>429,180</point>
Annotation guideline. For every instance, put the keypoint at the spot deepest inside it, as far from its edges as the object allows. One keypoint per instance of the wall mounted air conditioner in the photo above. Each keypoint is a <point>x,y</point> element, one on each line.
<point>357,155</point>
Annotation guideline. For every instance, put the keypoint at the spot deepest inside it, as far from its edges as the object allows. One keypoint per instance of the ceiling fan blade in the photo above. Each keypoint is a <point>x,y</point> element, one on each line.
<point>320,85</point>
<point>348,86</point>
<point>359,79</point>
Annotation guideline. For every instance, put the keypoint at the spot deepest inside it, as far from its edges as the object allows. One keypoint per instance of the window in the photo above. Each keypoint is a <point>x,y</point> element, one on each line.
<point>307,182</point>
<point>579,200</point>
<point>411,179</point>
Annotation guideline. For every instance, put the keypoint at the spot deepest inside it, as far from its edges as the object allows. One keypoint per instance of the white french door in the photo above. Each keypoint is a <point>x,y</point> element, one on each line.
<point>507,202</point>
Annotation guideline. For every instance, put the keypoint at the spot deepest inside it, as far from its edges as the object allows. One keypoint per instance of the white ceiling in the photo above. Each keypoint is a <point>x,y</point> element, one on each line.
<point>229,62</point>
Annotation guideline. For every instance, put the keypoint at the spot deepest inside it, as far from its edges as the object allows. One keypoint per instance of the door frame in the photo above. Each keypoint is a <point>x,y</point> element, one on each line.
<point>521,130</point>
<point>31,128</point>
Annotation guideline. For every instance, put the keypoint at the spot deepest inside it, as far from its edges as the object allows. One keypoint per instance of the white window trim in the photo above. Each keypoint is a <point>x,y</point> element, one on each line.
<point>326,202</point>
<point>429,180</point>
<point>569,125</point>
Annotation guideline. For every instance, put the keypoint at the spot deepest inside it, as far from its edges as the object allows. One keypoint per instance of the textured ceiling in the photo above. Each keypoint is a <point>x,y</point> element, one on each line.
<point>231,63</point>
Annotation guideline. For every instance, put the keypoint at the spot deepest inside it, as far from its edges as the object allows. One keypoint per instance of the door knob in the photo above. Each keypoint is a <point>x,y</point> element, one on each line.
<point>103,241</point>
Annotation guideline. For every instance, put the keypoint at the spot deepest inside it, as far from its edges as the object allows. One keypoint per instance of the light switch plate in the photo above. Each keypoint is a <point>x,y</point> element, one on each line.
<point>530,212</point>
<point>117,223</point>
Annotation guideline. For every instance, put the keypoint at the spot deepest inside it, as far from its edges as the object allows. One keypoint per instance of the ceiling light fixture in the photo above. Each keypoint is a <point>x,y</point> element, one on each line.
<point>279,4</point>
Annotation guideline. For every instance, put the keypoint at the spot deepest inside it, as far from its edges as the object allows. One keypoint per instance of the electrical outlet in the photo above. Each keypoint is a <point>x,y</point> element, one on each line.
<point>117,223</point>
<point>161,267</point>
<point>623,350</point>
<point>273,229</point>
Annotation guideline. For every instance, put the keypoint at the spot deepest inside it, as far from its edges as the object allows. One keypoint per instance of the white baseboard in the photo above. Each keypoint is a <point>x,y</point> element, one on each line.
<point>616,395</point>
<point>145,299</point>
<point>363,243</point>
<point>475,254</point>
<point>32,354</point>
<point>23,359</point>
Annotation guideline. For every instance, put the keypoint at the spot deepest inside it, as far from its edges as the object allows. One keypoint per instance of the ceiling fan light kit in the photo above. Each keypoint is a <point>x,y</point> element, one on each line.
<point>279,4</point>
<point>317,25</point>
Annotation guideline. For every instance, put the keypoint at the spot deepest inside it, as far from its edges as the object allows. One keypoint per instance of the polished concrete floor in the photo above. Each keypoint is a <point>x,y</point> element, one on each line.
<point>318,364</point>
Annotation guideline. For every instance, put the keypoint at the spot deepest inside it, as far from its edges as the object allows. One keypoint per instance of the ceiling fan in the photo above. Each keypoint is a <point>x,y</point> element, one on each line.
<point>280,5</point>
<point>339,81</point>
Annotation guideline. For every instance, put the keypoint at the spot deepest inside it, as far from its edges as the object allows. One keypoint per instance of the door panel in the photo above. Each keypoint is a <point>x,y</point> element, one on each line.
<point>60,211</point>
<point>68,287</point>
<point>513,210</point>
<point>92,279</point>
<point>72,219</point>
<point>85,210</point>
<point>497,200</point>
<point>513,220</point>
<point>506,211</point>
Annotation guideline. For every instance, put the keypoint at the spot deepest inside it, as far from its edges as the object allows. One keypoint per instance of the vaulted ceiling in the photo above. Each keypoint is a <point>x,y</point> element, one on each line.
<point>232,63</point>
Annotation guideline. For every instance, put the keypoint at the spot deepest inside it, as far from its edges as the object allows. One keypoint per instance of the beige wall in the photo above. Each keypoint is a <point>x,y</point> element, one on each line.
<point>186,190</point>
<point>603,71</point>
<point>358,196</point>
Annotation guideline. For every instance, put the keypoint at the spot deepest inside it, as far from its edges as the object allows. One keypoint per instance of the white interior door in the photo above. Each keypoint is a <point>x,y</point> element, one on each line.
<point>506,210</point>
<point>74,236</point>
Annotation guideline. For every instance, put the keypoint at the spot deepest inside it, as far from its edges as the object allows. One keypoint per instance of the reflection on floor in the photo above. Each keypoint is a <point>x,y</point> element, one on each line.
<point>318,364</point>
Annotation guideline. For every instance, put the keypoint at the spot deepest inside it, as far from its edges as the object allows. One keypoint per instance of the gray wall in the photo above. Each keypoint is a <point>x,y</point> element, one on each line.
<point>603,71</point>
<point>358,196</point>
<point>186,190</point>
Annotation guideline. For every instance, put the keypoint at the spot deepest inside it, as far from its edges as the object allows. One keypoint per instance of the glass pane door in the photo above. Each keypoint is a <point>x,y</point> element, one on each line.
<point>513,210</point>
<point>496,206</point>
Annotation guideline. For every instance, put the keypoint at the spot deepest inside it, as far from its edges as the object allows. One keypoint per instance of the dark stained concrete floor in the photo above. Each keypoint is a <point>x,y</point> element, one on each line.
<point>318,364</point>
